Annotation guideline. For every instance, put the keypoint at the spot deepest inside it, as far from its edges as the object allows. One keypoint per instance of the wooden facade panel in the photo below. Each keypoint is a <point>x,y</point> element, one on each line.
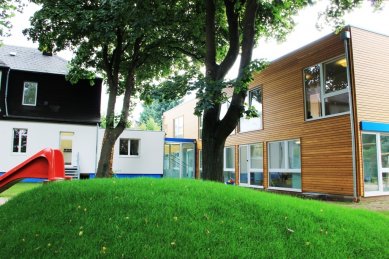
<point>371,77</point>
<point>325,143</point>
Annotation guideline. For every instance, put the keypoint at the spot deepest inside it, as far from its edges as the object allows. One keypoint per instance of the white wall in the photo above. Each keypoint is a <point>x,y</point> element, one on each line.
<point>150,159</point>
<point>44,135</point>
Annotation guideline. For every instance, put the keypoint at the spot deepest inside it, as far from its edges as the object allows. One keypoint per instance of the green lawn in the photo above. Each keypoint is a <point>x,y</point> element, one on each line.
<point>19,188</point>
<point>150,218</point>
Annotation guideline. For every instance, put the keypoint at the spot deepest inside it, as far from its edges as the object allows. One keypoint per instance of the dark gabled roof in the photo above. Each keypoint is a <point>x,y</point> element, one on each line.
<point>29,59</point>
<point>2,64</point>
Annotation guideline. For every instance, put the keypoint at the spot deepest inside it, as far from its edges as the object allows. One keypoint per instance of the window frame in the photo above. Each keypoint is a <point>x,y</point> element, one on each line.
<point>260,87</point>
<point>129,147</point>
<point>286,164</point>
<point>225,168</point>
<point>36,93</point>
<point>200,131</point>
<point>249,168</point>
<point>19,152</point>
<point>323,95</point>
<point>380,169</point>
<point>182,127</point>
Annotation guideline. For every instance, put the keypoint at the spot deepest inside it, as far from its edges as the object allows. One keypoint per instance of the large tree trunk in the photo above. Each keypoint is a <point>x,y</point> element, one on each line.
<point>112,133</point>
<point>104,168</point>
<point>215,131</point>
<point>213,148</point>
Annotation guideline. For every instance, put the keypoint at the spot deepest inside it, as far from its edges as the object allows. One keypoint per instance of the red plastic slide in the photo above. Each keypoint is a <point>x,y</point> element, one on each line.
<point>48,164</point>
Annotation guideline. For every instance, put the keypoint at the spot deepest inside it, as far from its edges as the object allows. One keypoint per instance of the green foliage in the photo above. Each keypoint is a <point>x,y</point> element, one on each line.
<point>335,12</point>
<point>150,124</point>
<point>155,111</point>
<point>112,120</point>
<point>7,11</point>
<point>165,218</point>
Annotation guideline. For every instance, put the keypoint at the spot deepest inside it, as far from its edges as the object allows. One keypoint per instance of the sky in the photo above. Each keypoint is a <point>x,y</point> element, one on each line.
<point>304,33</point>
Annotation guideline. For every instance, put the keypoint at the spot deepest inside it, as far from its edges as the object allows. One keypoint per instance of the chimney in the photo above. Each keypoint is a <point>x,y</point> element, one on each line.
<point>46,53</point>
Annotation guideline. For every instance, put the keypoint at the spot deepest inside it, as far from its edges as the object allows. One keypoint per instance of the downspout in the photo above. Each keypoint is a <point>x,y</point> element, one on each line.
<point>97,146</point>
<point>6,93</point>
<point>346,39</point>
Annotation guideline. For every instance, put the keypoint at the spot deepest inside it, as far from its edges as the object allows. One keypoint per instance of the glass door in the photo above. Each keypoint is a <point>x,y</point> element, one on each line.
<point>66,146</point>
<point>243,165</point>
<point>375,148</point>
<point>188,160</point>
<point>384,141</point>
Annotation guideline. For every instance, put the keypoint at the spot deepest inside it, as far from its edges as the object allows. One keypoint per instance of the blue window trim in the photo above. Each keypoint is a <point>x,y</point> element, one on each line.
<point>374,126</point>
<point>183,140</point>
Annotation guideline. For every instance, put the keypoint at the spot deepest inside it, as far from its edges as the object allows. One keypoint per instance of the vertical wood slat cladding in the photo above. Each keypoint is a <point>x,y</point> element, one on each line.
<point>371,77</point>
<point>325,143</point>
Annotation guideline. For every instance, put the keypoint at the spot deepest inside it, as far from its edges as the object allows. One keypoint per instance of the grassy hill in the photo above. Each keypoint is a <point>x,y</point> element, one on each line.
<point>182,218</point>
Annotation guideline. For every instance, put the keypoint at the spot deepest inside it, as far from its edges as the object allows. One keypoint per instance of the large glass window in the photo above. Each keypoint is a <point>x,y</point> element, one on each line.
<point>326,89</point>
<point>229,164</point>
<point>253,99</point>
<point>19,141</point>
<point>30,91</point>
<point>128,147</point>
<point>179,160</point>
<point>179,127</point>
<point>251,164</point>
<point>285,164</point>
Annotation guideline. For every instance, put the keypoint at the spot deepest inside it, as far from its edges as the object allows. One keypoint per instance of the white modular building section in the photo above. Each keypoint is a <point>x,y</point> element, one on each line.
<point>42,135</point>
<point>149,160</point>
<point>84,152</point>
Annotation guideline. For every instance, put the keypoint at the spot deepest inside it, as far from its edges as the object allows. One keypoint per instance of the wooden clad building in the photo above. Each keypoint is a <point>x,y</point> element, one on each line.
<point>324,120</point>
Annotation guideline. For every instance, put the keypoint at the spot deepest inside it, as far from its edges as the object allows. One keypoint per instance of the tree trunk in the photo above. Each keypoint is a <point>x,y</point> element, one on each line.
<point>216,131</point>
<point>104,168</point>
<point>112,133</point>
<point>213,148</point>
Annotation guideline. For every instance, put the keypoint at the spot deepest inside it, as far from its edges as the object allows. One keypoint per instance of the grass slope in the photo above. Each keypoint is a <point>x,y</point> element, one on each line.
<point>182,218</point>
<point>19,188</point>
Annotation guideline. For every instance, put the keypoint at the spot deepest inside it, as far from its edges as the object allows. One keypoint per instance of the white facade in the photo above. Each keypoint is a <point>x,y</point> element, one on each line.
<point>85,147</point>
<point>43,135</point>
<point>149,160</point>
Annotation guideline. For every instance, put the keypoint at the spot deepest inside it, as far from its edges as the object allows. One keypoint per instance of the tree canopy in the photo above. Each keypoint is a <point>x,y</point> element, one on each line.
<point>155,111</point>
<point>232,28</point>
<point>7,10</point>
<point>127,42</point>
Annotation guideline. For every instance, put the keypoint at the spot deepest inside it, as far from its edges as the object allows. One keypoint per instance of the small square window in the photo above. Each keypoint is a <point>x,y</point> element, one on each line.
<point>30,91</point>
<point>129,147</point>
<point>19,143</point>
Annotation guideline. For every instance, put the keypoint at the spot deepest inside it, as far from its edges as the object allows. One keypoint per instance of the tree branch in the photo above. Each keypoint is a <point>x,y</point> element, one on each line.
<point>210,57</point>
<point>248,34</point>
<point>233,31</point>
